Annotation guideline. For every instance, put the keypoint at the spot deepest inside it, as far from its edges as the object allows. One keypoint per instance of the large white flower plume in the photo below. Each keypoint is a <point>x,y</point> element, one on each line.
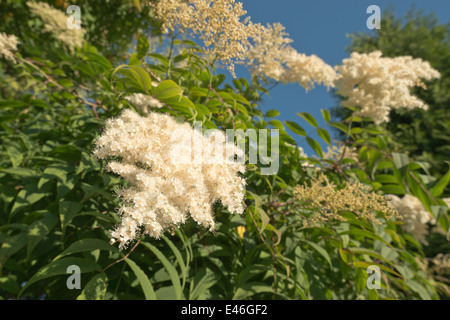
<point>167,181</point>
<point>8,44</point>
<point>377,84</point>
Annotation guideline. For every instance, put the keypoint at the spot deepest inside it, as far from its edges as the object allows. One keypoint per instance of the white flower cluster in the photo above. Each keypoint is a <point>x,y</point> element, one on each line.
<point>441,264</point>
<point>414,214</point>
<point>218,23</point>
<point>143,102</point>
<point>335,152</point>
<point>447,201</point>
<point>377,84</point>
<point>8,44</point>
<point>164,191</point>
<point>56,23</point>
<point>273,57</point>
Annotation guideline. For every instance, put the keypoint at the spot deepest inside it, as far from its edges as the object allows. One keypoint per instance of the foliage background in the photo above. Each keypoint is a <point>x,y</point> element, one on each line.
<point>57,202</point>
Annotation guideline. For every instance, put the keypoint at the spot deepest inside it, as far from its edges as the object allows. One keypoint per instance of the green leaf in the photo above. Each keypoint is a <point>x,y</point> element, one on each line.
<point>179,258</point>
<point>9,283</point>
<point>15,156</point>
<point>372,253</point>
<point>276,124</point>
<point>160,58</point>
<point>65,184</point>
<point>38,230</point>
<point>203,280</point>
<point>167,89</point>
<point>340,126</point>
<point>87,245</point>
<point>324,135</point>
<point>251,272</point>
<point>145,283</point>
<point>356,131</point>
<point>250,289</point>
<point>66,83</point>
<point>296,128</point>
<point>417,188</point>
<point>264,219</point>
<point>365,234</point>
<point>134,60</point>
<point>270,227</point>
<point>346,255</point>
<point>315,146</point>
<point>26,197</point>
<point>67,211</point>
<point>59,267</point>
<point>142,46</point>
<point>308,118</point>
<point>320,250</point>
<point>272,113</point>
<point>95,289</point>
<point>144,77</point>
<point>199,92</point>
<point>21,172</point>
<point>439,187</point>
<point>326,115</point>
<point>360,279</point>
<point>11,245</point>
<point>419,288</point>
<point>400,159</point>
<point>169,267</point>
<point>182,105</point>
<point>365,265</point>
<point>393,188</point>
<point>12,104</point>
<point>385,178</point>
<point>100,60</point>
<point>92,190</point>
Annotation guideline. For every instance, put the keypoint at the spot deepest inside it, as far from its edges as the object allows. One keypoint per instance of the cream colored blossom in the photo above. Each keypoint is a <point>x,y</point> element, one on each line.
<point>329,202</point>
<point>143,102</point>
<point>164,190</point>
<point>56,23</point>
<point>447,201</point>
<point>8,44</point>
<point>378,84</point>
<point>272,56</point>
<point>441,264</point>
<point>218,23</point>
<point>335,152</point>
<point>414,214</point>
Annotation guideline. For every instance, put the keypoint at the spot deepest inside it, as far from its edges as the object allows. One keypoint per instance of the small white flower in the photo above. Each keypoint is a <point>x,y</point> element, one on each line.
<point>144,102</point>
<point>56,23</point>
<point>8,44</point>
<point>273,57</point>
<point>414,214</point>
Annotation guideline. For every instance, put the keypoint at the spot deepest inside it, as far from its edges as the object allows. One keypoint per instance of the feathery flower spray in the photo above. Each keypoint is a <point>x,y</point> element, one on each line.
<point>218,23</point>
<point>8,44</point>
<point>416,217</point>
<point>164,189</point>
<point>377,84</point>
<point>56,23</point>
<point>143,102</point>
<point>328,202</point>
<point>272,56</point>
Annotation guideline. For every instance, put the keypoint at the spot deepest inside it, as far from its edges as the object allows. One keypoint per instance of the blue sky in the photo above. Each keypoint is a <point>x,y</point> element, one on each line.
<point>320,27</point>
